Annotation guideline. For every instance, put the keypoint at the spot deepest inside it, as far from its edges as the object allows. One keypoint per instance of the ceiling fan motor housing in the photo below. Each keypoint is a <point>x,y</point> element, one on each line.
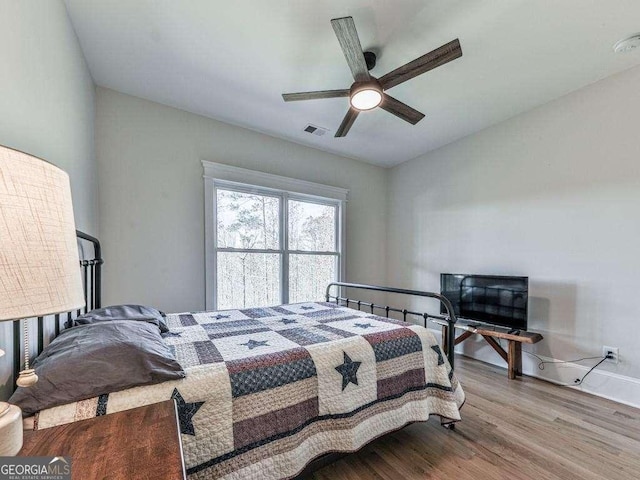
<point>372,84</point>
<point>370,60</point>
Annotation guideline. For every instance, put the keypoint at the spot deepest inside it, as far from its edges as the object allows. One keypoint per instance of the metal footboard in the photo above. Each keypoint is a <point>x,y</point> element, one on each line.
<point>450,318</point>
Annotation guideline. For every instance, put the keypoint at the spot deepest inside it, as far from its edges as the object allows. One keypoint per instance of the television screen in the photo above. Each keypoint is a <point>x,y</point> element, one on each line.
<point>497,300</point>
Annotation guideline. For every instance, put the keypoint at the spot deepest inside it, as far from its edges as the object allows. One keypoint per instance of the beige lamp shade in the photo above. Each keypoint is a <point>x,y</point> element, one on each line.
<point>39,271</point>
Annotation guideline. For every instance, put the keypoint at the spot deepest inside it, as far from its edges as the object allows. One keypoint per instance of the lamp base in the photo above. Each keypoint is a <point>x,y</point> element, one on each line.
<point>27,378</point>
<point>10,429</point>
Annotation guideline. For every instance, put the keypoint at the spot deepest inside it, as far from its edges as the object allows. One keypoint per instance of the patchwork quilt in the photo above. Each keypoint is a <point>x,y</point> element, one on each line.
<point>269,389</point>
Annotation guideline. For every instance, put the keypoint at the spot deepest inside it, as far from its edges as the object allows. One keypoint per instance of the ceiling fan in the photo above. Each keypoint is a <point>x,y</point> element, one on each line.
<point>368,92</point>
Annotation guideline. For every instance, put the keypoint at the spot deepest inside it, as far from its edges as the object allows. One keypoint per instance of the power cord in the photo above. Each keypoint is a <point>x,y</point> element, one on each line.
<point>542,362</point>
<point>577,381</point>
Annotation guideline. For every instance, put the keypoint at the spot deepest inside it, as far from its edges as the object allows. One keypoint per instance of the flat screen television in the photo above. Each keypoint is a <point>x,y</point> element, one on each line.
<point>492,299</point>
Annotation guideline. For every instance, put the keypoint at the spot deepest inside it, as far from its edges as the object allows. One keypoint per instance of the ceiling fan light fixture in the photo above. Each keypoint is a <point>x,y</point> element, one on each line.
<point>365,95</point>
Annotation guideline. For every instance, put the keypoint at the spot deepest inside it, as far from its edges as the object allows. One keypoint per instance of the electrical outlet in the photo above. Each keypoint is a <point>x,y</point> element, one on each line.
<point>613,351</point>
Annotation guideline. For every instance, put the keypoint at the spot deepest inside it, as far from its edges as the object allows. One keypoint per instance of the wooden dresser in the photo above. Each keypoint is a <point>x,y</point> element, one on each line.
<point>141,443</point>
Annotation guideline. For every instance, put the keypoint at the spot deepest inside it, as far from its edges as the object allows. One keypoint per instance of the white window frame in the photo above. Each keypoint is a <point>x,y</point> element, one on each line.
<point>218,175</point>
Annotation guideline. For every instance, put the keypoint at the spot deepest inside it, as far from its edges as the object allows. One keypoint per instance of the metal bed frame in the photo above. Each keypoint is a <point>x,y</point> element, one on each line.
<point>91,269</point>
<point>92,284</point>
<point>450,317</point>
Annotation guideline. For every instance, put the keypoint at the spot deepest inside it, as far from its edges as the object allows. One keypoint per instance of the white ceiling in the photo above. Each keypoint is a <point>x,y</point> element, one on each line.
<point>231,60</point>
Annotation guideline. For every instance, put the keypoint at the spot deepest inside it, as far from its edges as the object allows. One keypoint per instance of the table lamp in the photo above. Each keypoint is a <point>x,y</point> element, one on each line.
<point>39,271</point>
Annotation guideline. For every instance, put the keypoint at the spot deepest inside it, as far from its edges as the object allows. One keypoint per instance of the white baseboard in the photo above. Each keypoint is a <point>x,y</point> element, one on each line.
<point>613,386</point>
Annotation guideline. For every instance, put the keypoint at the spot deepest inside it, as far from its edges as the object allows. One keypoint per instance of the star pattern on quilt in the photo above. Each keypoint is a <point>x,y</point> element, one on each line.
<point>251,344</point>
<point>305,307</point>
<point>231,434</point>
<point>348,370</point>
<point>363,325</point>
<point>186,411</point>
<point>220,317</point>
<point>287,321</point>
<point>436,348</point>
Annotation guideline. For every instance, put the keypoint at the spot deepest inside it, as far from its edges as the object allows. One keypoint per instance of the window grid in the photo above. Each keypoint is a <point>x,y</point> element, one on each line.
<point>283,240</point>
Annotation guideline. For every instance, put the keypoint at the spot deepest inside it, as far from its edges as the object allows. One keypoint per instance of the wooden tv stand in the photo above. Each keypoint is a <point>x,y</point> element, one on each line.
<point>513,356</point>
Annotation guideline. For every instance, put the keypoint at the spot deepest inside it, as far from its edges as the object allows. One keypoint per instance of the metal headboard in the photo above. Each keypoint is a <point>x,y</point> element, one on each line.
<point>91,268</point>
<point>450,318</point>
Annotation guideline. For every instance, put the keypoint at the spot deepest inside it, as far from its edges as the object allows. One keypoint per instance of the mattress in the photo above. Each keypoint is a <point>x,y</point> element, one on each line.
<point>270,389</point>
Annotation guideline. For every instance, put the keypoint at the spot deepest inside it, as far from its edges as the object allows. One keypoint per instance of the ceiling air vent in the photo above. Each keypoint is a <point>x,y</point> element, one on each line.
<point>315,130</point>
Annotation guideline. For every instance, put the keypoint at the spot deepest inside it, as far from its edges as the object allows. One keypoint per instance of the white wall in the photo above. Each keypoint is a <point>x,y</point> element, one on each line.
<point>553,194</point>
<point>152,197</point>
<point>47,100</point>
<point>47,107</point>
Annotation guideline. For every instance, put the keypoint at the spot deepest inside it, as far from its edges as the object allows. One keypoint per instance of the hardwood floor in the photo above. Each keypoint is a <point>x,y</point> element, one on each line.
<point>518,429</point>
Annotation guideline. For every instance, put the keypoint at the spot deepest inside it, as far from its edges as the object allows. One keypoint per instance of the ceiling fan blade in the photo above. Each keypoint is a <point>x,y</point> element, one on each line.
<point>401,110</point>
<point>292,97</point>
<point>347,121</point>
<point>429,61</point>
<point>347,35</point>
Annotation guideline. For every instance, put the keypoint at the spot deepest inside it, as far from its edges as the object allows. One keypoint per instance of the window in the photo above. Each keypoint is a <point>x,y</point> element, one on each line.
<point>268,246</point>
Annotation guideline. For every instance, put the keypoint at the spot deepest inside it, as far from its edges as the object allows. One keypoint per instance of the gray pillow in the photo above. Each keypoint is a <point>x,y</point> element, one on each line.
<point>138,313</point>
<point>84,362</point>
